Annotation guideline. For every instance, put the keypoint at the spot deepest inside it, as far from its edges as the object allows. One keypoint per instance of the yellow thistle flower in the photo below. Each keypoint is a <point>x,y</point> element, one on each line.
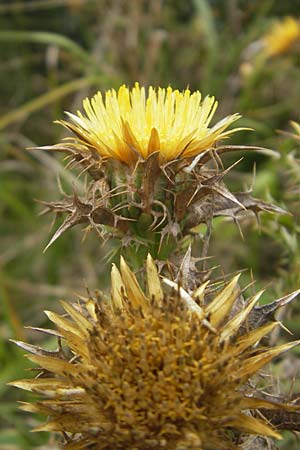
<point>282,36</point>
<point>154,371</point>
<point>130,124</point>
<point>148,158</point>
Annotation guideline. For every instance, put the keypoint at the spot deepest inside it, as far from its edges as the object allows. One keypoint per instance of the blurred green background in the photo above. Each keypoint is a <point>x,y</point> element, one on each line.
<point>56,52</point>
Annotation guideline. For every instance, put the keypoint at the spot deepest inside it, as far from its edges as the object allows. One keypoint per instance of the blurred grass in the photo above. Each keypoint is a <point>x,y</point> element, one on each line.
<point>53,54</point>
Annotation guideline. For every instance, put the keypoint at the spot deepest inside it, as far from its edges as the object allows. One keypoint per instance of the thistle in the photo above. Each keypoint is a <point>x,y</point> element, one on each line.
<point>165,368</point>
<point>155,169</point>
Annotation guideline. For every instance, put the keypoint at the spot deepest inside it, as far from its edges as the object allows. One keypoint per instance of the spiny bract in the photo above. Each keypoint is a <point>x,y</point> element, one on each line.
<point>162,370</point>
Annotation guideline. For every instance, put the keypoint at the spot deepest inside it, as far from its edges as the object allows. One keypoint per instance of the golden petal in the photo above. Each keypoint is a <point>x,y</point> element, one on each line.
<point>220,307</point>
<point>91,308</point>
<point>182,146</point>
<point>234,324</point>
<point>54,425</point>
<point>29,407</point>
<point>249,339</point>
<point>117,288</point>
<point>37,408</point>
<point>254,363</point>
<point>124,153</point>
<point>70,423</point>
<point>82,404</point>
<point>45,385</point>
<point>64,324</point>
<point>133,290</point>
<point>154,142</point>
<point>252,425</point>
<point>154,286</point>
<point>256,403</point>
<point>131,140</point>
<point>83,323</point>
<point>83,135</point>
<point>77,344</point>
<point>54,365</point>
<point>200,291</point>
<point>189,301</point>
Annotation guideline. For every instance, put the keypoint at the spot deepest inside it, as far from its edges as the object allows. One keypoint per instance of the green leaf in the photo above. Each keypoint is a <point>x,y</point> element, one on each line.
<point>41,37</point>
<point>45,99</point>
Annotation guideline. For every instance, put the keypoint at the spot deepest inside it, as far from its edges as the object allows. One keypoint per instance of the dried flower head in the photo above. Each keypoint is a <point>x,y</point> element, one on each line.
<point>282,36</point>
<point>162,370</point>
<point>129,124</point>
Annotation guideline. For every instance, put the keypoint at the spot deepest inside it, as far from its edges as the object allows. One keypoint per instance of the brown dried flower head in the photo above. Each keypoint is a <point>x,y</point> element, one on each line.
<point>162,370</point>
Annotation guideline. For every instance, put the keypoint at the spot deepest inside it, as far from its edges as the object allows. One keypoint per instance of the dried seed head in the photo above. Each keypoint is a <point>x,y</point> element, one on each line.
<point>155,370</point>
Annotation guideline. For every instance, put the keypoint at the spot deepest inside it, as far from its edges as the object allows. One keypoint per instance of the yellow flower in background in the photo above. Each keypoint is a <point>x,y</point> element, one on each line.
<point>163,369</point>
<point>282,36</point>
<point>128,124</point>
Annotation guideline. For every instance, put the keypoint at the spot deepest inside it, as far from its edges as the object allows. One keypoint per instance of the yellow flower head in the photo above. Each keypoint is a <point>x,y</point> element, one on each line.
<point>156,370</point>
<point>282,36</point>
<point>125,125</point>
